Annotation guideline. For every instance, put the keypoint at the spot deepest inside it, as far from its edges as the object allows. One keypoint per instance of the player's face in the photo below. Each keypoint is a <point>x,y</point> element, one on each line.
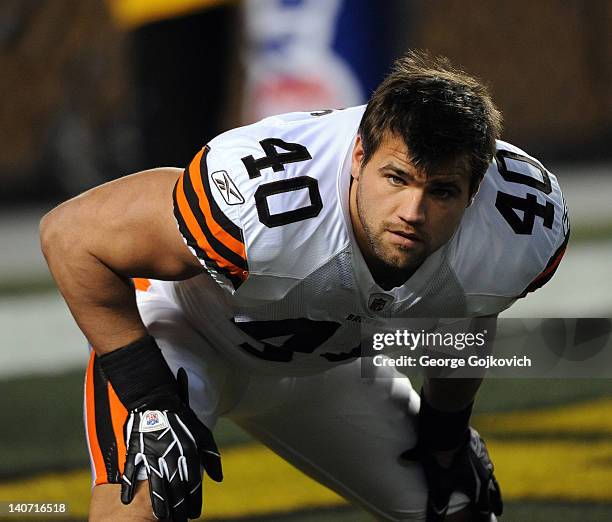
<point>400,213</point>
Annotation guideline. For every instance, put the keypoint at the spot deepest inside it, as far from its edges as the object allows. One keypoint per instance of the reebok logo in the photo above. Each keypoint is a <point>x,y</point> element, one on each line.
<point>227,188</point>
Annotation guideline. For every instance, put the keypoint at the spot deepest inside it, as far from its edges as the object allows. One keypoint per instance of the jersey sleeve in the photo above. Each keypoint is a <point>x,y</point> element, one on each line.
<point>259,205</point>
<point>514,235</point>
<point>206,208</point>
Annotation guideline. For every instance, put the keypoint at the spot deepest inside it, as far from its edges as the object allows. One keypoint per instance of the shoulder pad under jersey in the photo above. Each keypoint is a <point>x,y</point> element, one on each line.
<point>513,235</point>
<point>259,205</point>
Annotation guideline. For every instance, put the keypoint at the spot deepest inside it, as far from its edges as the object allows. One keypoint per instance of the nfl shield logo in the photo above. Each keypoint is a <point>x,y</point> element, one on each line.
<point>377,302</point>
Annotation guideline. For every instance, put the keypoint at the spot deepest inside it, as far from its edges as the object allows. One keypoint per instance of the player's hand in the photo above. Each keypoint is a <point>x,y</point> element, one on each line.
<point>166,439</point>
<point>470,472</point>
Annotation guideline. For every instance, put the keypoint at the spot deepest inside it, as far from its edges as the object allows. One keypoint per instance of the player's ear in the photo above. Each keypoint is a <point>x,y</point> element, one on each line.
<point>357,158</point>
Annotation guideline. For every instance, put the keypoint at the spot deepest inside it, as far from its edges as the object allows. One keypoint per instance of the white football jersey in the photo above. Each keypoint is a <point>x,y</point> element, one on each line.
<point>265,209</point>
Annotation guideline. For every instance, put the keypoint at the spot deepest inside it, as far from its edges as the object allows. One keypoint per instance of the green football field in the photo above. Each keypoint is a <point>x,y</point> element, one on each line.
<point>551,441</point>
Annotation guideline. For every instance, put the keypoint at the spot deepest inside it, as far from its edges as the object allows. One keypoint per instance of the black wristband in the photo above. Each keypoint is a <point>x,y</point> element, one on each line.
<point>138,371</point>
<point>443,430</point>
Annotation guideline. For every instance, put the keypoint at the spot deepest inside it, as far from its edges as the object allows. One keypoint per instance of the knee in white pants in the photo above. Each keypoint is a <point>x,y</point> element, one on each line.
<point>458,501</point>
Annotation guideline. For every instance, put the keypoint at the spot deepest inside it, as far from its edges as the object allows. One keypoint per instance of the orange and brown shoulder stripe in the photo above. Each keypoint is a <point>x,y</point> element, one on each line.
<point>217,240</point>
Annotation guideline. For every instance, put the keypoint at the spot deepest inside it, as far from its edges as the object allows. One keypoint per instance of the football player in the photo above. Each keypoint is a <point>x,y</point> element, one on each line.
<point>255,268</point>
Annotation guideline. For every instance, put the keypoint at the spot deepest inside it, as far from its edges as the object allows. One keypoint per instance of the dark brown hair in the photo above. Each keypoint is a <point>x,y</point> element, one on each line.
<point>442,113</point>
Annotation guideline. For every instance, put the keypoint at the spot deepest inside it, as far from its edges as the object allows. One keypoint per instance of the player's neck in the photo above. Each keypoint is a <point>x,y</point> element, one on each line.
<point>385,276</point>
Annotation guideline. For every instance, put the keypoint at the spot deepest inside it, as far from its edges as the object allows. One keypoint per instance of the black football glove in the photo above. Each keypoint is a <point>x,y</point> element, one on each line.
<point>165,437</point>
<point>471,472</point>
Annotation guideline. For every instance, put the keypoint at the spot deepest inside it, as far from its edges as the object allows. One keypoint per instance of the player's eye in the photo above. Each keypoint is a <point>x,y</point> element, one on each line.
<point>443,193</point>
<point>395,180</point>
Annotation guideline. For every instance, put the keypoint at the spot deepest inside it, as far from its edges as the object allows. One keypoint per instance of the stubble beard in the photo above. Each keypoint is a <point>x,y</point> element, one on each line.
<point>396,265</point>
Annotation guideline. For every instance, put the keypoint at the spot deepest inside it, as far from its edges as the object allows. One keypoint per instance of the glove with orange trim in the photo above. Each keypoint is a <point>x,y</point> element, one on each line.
<point>166,442</point>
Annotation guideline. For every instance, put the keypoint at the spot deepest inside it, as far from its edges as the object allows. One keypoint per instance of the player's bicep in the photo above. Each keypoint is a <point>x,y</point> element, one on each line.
<point>129,225</point>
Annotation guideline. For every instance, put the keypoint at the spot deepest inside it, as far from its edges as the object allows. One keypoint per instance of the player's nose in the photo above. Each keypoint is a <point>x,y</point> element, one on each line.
<point>412,207</point>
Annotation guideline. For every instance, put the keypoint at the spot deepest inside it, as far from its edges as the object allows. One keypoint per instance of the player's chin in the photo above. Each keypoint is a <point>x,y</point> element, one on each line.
<point>408,254</point>
<point>402,259</point>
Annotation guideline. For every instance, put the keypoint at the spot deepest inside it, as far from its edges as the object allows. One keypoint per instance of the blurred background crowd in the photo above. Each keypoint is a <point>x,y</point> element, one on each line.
<point>91,90</point>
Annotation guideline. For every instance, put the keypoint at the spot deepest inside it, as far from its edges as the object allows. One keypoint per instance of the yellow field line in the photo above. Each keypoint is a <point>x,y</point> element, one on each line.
<point>579,418</point>
<point>256,481</point>
<point>550,469</point>
<point>259,482</point>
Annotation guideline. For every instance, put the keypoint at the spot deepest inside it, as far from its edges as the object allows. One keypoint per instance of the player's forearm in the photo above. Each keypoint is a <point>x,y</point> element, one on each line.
<point>101,301</point>
<point>450,394</point>
<point>446,407</point>
<point>458,394</point>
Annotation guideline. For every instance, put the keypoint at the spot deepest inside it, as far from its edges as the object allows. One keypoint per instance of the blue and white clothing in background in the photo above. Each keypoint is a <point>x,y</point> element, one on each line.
<point>312,54</point>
